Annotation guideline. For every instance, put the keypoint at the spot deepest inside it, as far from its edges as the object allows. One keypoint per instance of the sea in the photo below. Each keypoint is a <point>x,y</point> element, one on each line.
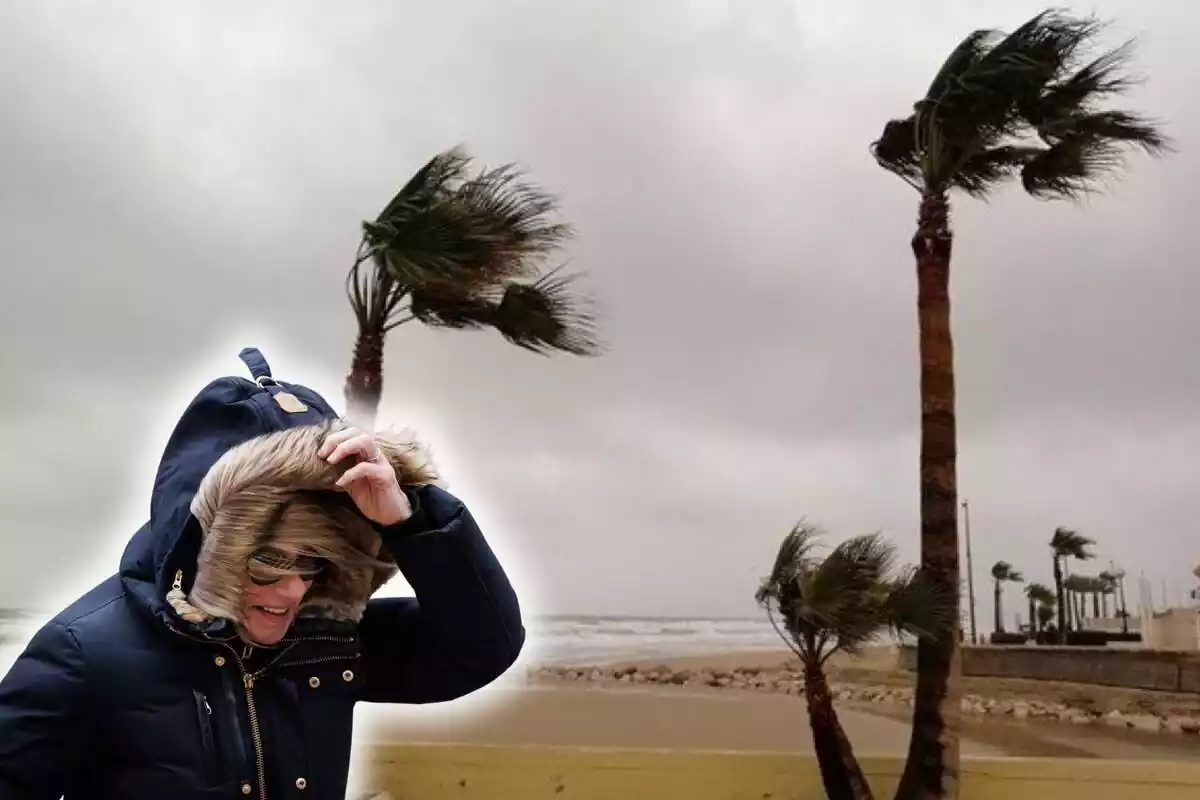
<point>555,639</point>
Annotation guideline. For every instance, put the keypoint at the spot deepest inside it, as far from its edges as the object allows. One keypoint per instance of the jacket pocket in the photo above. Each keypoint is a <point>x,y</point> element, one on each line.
<point>208,744</point>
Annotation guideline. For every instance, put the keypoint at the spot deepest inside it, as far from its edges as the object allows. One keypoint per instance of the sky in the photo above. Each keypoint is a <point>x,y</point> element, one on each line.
<point>178,181</point>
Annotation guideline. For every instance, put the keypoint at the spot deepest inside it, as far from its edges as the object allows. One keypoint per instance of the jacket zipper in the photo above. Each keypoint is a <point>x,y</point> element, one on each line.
<point>255,731</point>
<point>207,743</point>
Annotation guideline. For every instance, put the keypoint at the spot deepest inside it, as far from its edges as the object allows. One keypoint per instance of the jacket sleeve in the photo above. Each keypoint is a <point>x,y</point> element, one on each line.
<point>461,631</point>
<point>41,710</point>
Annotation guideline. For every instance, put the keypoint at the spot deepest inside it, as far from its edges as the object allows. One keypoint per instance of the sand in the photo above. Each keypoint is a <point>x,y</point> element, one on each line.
<point>671,717</point>
<point>656,716</point>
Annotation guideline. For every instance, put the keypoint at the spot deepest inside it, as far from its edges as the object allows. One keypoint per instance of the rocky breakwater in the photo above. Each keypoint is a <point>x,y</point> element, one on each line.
<point>790,682</point>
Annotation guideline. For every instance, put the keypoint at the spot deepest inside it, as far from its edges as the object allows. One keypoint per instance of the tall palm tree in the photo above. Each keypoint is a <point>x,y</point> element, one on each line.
<point>1038,595</point>
<point>454,250</point>
<point>1064,544</point>
<point>839,604</point>
<point>1025,104</point>
<point>1002,572</point>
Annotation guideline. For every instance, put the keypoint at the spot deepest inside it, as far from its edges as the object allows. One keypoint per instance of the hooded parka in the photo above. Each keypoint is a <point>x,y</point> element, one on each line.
<point>142,689</point>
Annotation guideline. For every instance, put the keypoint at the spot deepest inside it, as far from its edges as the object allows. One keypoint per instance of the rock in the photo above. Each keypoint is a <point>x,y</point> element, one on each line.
<point>682,677</point>
<point>1145,722</point>
<point>1074,715</point>
<point>1020,711</point>
<point>1116,719</point>
<point>1182,725</point>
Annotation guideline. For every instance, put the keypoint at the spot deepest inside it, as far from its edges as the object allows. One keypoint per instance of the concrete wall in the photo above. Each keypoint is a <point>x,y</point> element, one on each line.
<point>1133,669</point>
<point>470,772</point>
<point>1175,629</point>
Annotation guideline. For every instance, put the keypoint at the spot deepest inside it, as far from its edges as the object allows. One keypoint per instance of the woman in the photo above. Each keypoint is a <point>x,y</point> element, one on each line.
<point>225,657</point>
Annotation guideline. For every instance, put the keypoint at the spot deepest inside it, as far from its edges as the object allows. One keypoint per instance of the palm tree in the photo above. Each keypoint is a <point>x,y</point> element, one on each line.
<point>1025,104</point>
<point>1045,614</point>
<point>1038,595</point>
<point>1002,571</point>
<point>458,251</point>
<point>1066,543</point>
<point>839,604</point>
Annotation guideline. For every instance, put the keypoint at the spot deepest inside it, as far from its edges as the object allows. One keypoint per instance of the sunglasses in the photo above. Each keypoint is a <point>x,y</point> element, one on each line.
<point>271,565</point>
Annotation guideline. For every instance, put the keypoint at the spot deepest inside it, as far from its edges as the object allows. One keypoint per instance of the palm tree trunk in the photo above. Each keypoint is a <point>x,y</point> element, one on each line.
<point>931,769</point>
<point>1032,616</point>
<point>999,626</point>
<point>1124,610</point>
<point>364,383</point>
<point>1060,590</point>
<point>841,775</point>
<point>1096,604</point>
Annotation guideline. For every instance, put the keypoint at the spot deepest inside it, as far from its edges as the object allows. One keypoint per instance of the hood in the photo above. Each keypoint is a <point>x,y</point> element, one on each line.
<point>242,460</point>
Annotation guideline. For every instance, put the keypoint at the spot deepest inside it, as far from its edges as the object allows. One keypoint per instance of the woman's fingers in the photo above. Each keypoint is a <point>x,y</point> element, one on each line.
<point>358,472</point>
<point>350,442</point>
<point>336,438</point>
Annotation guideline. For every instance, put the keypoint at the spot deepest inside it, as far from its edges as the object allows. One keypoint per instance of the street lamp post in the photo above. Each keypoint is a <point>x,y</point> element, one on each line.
<point>970,569</point>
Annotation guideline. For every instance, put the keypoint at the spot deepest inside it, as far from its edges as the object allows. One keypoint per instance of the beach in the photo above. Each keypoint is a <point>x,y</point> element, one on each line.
<point>594,709</point>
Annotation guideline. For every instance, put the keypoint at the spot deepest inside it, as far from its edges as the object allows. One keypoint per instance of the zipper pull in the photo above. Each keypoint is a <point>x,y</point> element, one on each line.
<point>247,651</point>
<point>249,681</point>
<point>207,707</point>
<point>178,584</point>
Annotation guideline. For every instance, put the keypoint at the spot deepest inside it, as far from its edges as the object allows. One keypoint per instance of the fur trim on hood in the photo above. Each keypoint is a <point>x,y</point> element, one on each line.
<point>275,482</point>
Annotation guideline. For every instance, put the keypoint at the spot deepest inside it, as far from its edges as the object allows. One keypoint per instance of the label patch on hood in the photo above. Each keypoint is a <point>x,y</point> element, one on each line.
<point>290,403</point>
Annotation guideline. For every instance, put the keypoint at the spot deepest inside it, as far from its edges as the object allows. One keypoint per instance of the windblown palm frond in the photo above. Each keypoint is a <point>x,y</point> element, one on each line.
<point>845,600</point>
<point>1067,543</point>
<point>543,316</point>
<point>1040,593</point>
<point>1003,571</point>
<point>1024,103</point>
<point>453,245</point>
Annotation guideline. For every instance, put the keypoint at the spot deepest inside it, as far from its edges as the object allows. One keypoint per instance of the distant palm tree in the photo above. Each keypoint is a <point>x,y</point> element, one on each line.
<point>1003,572</point>
<point>1038,595</point>
<point>453,250</point>
<point>839,604</point>
<point>1045,614</point>
<point>1025,104</point>
<point>1066,543</point>
<point>1079,586</point>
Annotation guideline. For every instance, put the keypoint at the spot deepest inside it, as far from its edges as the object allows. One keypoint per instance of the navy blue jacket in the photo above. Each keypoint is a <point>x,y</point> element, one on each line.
<point>117,698</point>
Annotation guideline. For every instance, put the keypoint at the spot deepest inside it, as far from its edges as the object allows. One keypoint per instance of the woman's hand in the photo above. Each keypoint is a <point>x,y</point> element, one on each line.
<point>371,483</point>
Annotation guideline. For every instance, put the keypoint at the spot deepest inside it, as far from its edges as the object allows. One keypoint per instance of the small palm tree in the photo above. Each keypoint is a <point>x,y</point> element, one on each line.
<point>453,250</point>
<point>1045,615</point>
<point>1038,595</point>
<point>1064,544</point>
<point>1024,104</point>
<point>839,604</point>
<point>1002,572</point>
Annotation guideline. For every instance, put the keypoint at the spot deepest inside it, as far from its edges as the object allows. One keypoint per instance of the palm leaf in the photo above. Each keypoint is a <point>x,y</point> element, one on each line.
<point>896,149</point>
<point>919,607</point>
<point>984,171</point>
<point>543,316</point>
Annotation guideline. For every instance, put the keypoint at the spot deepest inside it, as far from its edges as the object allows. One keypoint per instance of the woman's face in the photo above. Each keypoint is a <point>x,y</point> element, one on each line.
<point>269,611</point>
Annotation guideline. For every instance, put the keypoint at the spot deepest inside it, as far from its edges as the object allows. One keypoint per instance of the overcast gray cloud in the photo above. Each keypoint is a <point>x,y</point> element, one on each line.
<point>178,182</point>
